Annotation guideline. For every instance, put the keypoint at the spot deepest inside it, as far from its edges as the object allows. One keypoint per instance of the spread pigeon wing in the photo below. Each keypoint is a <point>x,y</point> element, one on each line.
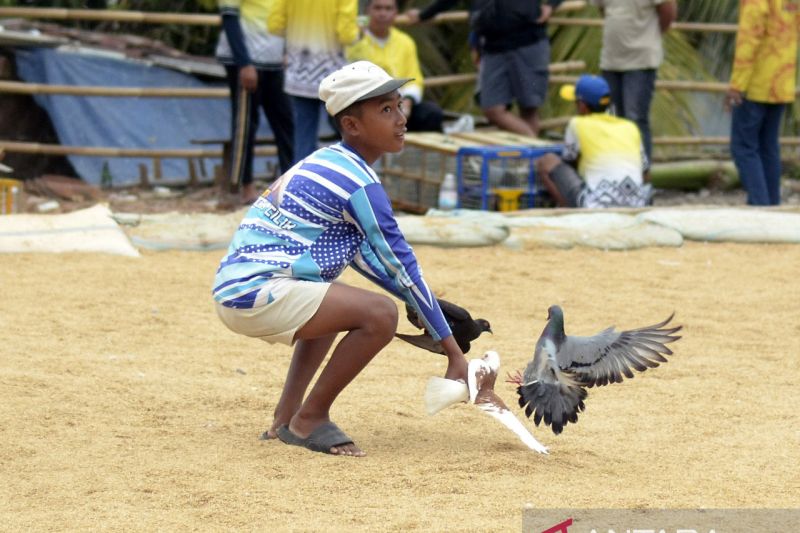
<point>608,356</point>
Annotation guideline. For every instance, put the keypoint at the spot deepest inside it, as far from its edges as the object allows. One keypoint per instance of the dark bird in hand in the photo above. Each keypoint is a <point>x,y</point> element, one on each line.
<point>553,386</point>
<point>464,328</point>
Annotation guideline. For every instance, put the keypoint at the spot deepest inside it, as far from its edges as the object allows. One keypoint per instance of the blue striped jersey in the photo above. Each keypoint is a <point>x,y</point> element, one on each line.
<point>329,211</point>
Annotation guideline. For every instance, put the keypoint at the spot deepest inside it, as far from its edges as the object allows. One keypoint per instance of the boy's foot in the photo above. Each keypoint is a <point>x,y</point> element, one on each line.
<point>249,194</point>
<point>325,438</point>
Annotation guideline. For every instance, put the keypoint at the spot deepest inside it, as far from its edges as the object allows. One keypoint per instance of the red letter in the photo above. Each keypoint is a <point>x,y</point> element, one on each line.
<point>562,527</point>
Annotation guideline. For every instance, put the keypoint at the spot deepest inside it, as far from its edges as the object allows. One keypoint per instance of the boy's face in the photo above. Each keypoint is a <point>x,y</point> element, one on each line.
<point>379,128</point>
<point>381,15</point>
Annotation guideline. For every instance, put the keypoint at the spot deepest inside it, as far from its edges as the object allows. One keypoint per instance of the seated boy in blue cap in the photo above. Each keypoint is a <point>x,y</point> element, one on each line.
<point>328,212</point>
<point>603,163</point>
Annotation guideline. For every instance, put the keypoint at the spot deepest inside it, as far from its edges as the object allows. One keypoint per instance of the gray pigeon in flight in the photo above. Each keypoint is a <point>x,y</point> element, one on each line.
<point>553,386</point>
<point>464,328</point>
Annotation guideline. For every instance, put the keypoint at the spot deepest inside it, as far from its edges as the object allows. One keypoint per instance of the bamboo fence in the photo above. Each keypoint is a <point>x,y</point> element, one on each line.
<point>197,19</point>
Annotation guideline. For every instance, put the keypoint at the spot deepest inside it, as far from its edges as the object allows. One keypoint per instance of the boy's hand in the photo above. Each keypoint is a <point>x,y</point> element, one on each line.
<point>547,10</point>
<point>456,362</point>
<point>248,78</point>
<point>733,98</point>
<point>412,15</point>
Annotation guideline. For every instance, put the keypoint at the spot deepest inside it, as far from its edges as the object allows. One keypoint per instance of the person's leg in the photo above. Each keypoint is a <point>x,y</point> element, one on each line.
<point>278,109</point>
<point>614,80</point>
<point>496,94</point>
<point>637,95</point>
<point>306,120</point>
<point>244,123</point>
<point>746,123</point>
<point>370,320</point>
<point>560,180</point>
<point>308,355</point>
<point>529,77</point>
<point>771,151</point>
<point>531,117</point>
<point>504,119</point>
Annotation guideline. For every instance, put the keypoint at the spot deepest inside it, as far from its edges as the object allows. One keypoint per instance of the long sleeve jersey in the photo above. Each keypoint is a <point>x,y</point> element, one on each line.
<point>765,61</point>
<point>328,212</point>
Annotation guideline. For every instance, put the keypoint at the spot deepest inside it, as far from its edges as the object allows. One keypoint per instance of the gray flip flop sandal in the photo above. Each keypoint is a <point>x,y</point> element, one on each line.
<point>322,439</point>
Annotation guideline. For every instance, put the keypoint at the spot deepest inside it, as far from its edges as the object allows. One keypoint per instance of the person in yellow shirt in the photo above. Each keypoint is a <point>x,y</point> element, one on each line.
<point>762,83</point>
<point>607,151</point>
<point>316,32</point>
<point>396,53</point>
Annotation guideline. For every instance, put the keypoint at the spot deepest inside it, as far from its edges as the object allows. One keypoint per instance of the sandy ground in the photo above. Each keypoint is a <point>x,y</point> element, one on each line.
<point>126,405</point>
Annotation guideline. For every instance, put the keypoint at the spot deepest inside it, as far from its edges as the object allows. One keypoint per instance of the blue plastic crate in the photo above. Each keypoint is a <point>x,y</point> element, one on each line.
<point>499,178</point>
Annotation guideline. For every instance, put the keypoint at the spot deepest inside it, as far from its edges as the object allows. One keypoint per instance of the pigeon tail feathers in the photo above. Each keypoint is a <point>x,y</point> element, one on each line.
<point>555,403</point>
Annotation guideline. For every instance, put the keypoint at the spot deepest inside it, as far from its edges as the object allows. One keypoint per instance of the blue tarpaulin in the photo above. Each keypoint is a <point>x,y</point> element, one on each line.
<point>124,122</point>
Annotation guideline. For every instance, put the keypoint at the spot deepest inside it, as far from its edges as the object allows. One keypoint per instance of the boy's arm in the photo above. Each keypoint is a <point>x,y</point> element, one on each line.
<point>667,13</point>
<point>276,20</point>
<point>388,260</point>
<point>435,8</point>
<point>233,31</point>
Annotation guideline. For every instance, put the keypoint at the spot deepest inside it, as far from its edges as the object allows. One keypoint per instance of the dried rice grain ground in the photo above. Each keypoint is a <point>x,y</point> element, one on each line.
<point>126,405</point>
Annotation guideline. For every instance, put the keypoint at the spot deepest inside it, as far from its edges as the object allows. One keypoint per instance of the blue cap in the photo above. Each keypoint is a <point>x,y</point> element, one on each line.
<point>593,90</point>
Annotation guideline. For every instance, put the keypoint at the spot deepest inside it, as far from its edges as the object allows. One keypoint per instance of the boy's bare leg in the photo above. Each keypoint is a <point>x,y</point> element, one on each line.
<point>506,120</point>
<point>544,166</point>
<point>371,321</point>
<point>531,116</point>
<point>308,355</point>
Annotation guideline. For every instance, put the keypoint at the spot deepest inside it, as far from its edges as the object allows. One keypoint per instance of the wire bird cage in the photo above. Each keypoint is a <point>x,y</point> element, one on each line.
<point>499,178</point>
<point>491,173</point>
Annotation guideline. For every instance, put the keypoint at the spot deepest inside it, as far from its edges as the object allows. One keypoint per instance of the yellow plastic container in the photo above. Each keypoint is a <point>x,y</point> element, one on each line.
<point>508,199</point>
<point>10,196</point>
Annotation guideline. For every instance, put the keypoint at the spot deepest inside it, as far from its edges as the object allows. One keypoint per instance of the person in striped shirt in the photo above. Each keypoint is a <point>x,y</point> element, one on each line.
<point>330,211</point>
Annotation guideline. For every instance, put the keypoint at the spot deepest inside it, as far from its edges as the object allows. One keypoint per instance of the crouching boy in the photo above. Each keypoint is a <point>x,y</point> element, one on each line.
<point>329,211</point>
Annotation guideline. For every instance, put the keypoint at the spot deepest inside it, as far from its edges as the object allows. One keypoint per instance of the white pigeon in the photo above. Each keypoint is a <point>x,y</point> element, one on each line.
<point>481,375</point>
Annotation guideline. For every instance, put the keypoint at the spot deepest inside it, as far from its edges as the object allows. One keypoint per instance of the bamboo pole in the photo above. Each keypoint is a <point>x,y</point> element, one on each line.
<point>101,151</point>
<point>681,26</point>
<point>195,19</point>
<point>668,85</point>
<point>717,140</point>
<point>470,77</point>
<point>189,92</point>
<point>136,92</point>
<point>111,15</point>
<point>198,19</point>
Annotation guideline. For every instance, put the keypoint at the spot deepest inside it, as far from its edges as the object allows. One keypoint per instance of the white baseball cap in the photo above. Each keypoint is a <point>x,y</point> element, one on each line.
<point>356,82</point>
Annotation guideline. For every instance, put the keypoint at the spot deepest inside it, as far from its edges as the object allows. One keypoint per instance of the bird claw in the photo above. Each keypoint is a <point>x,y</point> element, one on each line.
<point>515,378</point>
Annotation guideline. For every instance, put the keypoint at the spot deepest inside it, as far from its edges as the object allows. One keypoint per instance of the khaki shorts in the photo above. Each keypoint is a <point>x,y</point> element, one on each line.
<point>293,303</point>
